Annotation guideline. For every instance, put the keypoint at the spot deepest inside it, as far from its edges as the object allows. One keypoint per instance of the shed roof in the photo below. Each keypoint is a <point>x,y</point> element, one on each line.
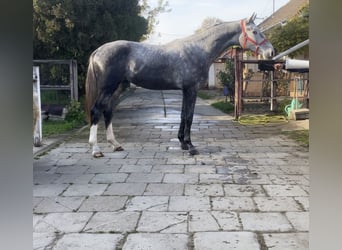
<point>283,14</point>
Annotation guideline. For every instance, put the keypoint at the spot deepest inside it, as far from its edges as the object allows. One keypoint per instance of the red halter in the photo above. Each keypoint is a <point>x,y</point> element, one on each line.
<point>247,38</point>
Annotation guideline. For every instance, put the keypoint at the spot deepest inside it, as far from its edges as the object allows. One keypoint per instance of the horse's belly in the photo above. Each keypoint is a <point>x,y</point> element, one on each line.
<point>156,79</point>
<point>156,84</point>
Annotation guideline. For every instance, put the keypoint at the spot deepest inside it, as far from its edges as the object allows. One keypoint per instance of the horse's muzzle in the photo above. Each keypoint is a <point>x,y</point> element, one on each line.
<point>267,53</point>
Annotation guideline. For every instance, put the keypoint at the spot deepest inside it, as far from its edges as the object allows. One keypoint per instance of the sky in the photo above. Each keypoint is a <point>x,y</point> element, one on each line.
<point>187,15</point>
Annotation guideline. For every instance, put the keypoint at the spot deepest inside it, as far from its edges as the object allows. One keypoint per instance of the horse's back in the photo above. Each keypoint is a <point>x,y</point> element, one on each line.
<point>146,65</point>
<point>169,66</point>
<point>110,50</point>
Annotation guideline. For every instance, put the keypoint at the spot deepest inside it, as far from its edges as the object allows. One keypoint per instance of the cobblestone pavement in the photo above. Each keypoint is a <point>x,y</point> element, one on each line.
<point>247,189</point>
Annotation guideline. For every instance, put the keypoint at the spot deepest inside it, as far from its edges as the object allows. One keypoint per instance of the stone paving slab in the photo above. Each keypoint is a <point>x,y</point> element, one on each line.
<point>266,222</point>
<point>43,240</point>
<point>299,220</point>
<point>146,241</point>
<point>148,203</point>
<point>103,203</point>
<point>163,222</point>
<point>189,203</point>
<point>288,241</point>
<point>85,189</point>
<point>233,203</point>
<point>204,190</point>
<point>278,204</point>
<point>49,190</point>
<point>213,221</point>
<point>247,189</point>
<point>88,241</point>
<point>58,204</point>
<point>226,241</point>
<point>68,222</point>
<point>125,189</point>
<point>164,189</point>
<point>110,222</point>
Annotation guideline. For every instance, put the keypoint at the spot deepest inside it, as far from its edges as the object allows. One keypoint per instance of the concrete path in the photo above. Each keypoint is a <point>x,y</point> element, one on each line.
<point>248,189</point>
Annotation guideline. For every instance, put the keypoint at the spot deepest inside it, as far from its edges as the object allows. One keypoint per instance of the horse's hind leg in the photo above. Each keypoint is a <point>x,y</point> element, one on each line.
<point>108,114</point>
<point>100,107</point>
<point>95,117</point>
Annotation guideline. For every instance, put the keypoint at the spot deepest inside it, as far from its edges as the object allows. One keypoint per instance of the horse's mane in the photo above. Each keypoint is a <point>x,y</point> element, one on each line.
<point>202,34</point>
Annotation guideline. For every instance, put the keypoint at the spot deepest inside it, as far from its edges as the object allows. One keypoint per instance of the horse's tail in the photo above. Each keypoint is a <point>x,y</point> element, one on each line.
<point>91,88</point>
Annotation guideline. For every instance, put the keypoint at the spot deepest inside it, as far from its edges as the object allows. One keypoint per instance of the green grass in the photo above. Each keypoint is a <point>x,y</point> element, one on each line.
<point>300,136</point>
<point>225,107</point>
<point>52,128</point>
<point>204,95</point>
<point>261,119</point>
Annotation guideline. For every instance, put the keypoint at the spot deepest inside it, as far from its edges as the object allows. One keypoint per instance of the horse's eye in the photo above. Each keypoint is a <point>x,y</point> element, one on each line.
<point>255,32</point>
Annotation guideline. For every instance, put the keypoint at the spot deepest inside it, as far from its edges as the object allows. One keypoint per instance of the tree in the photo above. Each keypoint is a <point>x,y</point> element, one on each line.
<point>207,23</point>
<point>152,13</point>
<point>227,78</point>
<point>72,29</point>
<point>292,33</point>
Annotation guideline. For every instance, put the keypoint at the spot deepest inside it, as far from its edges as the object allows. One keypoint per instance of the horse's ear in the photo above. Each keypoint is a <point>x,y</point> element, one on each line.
<point>251,18</point>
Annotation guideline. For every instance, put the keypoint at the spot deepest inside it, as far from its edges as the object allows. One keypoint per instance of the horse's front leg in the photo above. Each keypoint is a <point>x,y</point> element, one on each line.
<point>184,146</point>
<point>187,140</point>
<point>188,108</point>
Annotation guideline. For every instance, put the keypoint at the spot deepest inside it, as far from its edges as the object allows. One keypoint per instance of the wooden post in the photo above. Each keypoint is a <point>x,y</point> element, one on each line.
<point>238,83</point>
<point>73,80</point>
<point>273,93</point>
<point>37,113</point>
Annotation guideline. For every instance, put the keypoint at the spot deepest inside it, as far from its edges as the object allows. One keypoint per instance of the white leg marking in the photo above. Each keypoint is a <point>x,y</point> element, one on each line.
<point>111,138</point>
<point>93,135</point>
<point>93,142</point>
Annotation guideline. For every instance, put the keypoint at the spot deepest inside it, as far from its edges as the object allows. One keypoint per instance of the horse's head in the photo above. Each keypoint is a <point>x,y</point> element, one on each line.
<point>253,39</point>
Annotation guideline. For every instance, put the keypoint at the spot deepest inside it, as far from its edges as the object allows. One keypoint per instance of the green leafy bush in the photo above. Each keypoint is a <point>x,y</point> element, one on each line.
<point>281,106</point>
<point>227,78</point>
<point>75,113</point>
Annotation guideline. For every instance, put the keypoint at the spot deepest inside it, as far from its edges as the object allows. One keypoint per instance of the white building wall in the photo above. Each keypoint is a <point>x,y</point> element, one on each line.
<point>211,79</point>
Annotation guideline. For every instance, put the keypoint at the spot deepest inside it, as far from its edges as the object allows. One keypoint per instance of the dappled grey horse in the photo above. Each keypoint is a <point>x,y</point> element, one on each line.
<point>182,64</point>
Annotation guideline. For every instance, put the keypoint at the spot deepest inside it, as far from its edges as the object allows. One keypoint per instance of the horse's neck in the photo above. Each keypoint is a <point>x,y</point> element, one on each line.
<point>218,38</point>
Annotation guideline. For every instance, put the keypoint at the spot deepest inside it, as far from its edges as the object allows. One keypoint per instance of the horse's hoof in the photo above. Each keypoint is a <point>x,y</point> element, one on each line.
<point>184,146</point>
<point>98,154</point>
<point>193,151</point>
<point>118,149</point>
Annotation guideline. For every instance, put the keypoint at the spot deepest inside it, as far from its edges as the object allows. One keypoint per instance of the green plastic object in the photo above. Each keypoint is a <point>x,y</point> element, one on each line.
<point>295,104</point>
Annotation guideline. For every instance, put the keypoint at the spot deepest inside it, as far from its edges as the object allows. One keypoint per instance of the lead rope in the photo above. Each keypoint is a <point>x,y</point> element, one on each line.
<point>164,104</point>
